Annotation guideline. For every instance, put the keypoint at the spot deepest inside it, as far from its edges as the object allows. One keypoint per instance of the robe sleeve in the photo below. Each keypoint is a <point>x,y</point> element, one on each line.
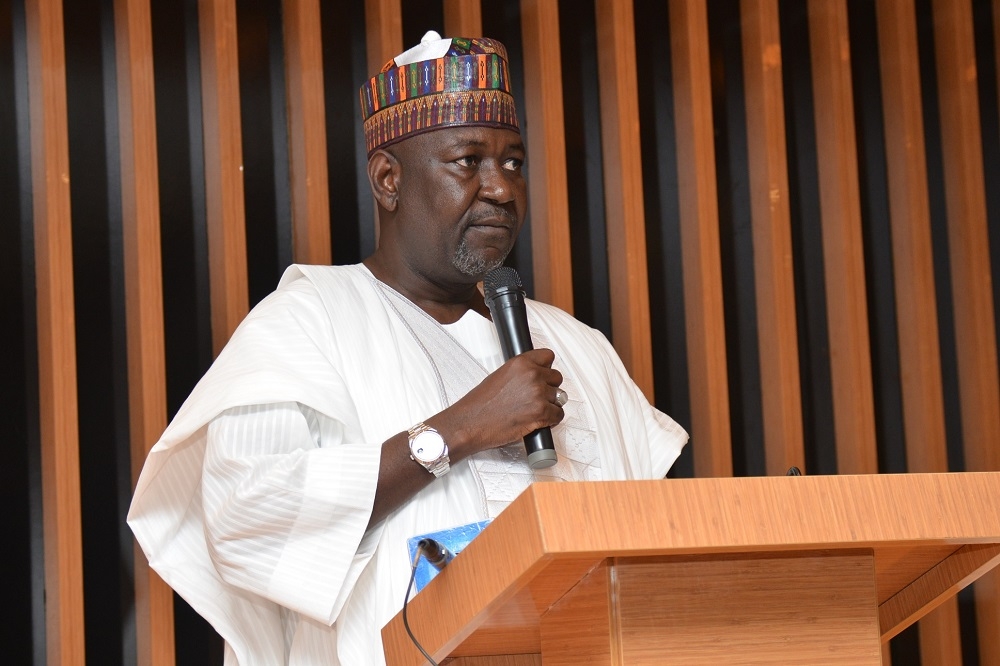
<point>664,437</point>
<point>286,503</point>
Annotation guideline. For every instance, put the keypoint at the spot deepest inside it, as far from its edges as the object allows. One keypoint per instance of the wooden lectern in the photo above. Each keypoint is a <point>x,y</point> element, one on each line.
<point>792,570</point>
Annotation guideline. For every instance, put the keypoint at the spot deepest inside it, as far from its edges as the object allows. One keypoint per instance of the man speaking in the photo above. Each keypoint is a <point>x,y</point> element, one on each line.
<point>358,406</point>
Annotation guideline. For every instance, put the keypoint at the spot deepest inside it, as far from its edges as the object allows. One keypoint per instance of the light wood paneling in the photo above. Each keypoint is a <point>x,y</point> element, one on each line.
<point>623,205</point>
<point>968,235</point>
<point>463,18</point>
<point>307,132</point>
<point>843,255</point>
<point>658,610</point>
<point>699,220</point>
<point>538,548</point>
<point>225,212</point>
<point>384,30</point>
<point>772,237</point>
<point>941,582</point>
<point>913,260</point>
<point>913,272</point>
<point>972,293</point>
<point>794,608</point>
<point>581,628</point>
<point>503,660</point>
<point>57,377</point>
<point>941,635</point>
<point>500,660</point>
<point>143,297</point>
<point>546,144</point>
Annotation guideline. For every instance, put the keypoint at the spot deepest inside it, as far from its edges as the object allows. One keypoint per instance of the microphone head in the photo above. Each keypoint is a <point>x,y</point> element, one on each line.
<point>499,280</point>
<point>435,553</point>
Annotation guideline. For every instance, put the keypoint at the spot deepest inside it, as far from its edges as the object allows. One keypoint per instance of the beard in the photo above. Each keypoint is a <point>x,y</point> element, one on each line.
<point>473,263</point>
<point>476,262</point>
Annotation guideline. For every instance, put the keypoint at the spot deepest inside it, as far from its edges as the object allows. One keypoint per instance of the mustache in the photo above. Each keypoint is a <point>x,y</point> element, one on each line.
<point>492,212</point>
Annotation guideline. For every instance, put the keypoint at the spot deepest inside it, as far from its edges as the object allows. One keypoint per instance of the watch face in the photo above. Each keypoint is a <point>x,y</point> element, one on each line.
<point>427,447</point>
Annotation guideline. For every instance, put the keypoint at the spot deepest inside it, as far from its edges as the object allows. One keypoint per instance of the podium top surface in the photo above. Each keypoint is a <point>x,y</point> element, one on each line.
<point>554,533</point>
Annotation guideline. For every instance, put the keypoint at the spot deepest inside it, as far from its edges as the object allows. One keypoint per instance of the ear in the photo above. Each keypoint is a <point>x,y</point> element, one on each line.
<point>383,175</point>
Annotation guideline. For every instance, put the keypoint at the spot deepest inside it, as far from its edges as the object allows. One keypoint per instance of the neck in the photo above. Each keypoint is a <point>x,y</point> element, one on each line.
<point>444,302</point>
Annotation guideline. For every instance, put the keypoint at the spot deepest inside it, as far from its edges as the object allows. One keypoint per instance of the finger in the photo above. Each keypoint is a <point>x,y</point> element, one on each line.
<point>541,356</point>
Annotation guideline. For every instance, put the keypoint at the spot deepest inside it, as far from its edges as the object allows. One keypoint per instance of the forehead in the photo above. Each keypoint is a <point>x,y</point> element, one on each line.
<point>486,138</point>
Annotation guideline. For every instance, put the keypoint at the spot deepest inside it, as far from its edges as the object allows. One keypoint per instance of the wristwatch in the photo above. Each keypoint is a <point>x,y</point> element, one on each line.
<point>428,448</point>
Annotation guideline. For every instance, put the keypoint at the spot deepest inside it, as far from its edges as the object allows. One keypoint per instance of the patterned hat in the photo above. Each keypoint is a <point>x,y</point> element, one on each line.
<point>439,83</point>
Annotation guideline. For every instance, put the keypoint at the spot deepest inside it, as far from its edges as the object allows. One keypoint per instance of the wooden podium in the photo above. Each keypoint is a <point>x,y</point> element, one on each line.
<point>793,570</point>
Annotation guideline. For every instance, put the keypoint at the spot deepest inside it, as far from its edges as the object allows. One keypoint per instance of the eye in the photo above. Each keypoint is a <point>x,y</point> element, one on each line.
<point>513,164</point>
<point>467,161</point>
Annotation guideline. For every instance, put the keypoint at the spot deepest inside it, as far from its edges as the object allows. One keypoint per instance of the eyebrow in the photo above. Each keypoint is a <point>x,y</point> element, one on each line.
<point>478,143</point>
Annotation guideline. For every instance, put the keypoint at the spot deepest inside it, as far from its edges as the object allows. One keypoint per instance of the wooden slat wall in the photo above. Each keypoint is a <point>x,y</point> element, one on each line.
<point>147,378</point>
<point>384,27</point>
<point>772,237</point>
<point>463,17</point>
<point>225,214</point>
<point>58,426</point>
<point>700,184</point>
<point>546,141</point>
<point>913,269</point>
<point>623,207</point>
<point>840,202</point>
<point>699,219</point>
<point>384,38</point>
<point>972,293</point>
<point>307,132</point>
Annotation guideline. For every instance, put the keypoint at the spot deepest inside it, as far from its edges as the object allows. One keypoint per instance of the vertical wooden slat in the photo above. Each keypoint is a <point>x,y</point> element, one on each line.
<point>941,635</point>
<point>840,205</point>
<point>699,220</point>
<point>546,142</point>
<point>972,291</point>
<point>147,381</point>
<point>225,213</point>
<point>968,233</point>
<point>384,32</point>
<point>307,132</point>
<point>772,237</point>
<point>913,273</point>
<point>913,268</point>
<point>384,40</point>
<point>623,205</point>
<point>58,422</point>
<point>463,18</point>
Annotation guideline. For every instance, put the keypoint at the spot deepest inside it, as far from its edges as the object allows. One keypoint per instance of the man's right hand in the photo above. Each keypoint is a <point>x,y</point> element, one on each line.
<point>516,399</point>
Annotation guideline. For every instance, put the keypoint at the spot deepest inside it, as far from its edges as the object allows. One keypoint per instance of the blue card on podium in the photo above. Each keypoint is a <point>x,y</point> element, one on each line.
<point>455,539</point>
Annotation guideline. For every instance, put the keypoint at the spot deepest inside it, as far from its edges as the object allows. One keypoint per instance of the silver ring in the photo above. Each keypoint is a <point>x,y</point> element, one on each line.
<point>561,397</point>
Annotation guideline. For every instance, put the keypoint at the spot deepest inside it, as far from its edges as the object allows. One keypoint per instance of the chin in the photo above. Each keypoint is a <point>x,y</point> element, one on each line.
<point>477,266</point>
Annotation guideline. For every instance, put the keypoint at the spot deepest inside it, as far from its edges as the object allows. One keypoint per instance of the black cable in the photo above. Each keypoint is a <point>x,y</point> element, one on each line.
<point>406,599</point>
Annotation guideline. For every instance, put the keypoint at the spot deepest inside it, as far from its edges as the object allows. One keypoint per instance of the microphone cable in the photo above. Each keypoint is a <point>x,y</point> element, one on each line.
<point>438,557</point>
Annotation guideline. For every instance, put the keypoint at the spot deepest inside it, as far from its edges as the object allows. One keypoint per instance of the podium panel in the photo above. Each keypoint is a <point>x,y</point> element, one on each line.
<point>794,608</point>
<point>817,570</point>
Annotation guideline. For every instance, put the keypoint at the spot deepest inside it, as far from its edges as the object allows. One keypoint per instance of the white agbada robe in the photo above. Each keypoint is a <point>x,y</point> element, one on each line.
<point>265,535</point>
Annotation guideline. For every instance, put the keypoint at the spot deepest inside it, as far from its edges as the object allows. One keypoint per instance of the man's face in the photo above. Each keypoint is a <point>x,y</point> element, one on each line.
<point>462,199</point>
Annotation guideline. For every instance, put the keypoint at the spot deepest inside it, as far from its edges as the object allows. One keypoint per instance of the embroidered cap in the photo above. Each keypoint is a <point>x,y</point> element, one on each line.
<point>438,83</point>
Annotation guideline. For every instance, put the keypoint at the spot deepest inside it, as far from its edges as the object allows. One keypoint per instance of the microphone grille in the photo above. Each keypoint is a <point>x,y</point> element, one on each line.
<point>504,277</point>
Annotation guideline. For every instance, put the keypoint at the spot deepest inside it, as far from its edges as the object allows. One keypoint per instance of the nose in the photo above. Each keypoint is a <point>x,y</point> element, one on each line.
<point>496,183</point>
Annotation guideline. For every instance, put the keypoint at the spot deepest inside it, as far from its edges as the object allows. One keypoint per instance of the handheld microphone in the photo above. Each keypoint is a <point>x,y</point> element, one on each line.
<point>505,299</point>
